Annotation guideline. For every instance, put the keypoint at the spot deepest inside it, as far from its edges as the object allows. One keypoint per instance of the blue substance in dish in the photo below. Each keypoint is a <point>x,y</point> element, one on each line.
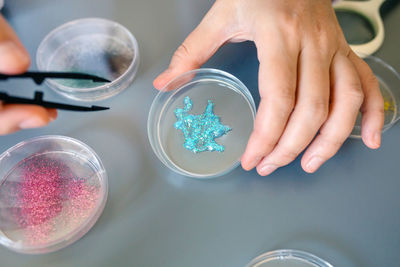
<point>200,131</point>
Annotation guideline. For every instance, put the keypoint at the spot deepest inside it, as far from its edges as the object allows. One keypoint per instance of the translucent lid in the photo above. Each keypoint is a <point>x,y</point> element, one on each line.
<point>95,46</point>
<point>52,191</point>
<point>199,124</point>
<point>288,258</point>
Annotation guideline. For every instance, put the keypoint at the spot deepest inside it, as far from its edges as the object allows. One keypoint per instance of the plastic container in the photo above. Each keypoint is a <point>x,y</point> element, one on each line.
<point>389,82</point>
<point>288,258</point>
<point>234,105</point>
<point>95,46</point>
<point>52,191</point>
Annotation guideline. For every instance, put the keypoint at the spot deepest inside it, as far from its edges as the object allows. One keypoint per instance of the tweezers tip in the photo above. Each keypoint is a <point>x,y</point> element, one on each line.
<point>104,80</point>
<point>98,108</point>
<point>100,79</point>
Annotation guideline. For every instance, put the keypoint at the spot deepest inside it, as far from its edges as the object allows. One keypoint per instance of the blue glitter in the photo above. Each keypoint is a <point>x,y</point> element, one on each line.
<point>200,131</point>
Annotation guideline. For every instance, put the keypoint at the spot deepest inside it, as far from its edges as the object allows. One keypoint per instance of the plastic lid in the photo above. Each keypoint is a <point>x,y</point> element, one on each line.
<point>218,102</point>
<point>94,46</point>
<point>288,258</point>
<point>52,191</point>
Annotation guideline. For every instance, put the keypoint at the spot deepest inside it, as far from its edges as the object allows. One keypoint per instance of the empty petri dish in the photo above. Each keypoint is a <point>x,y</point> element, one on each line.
<point>232,103</point>
<point>52,191</point>
<point>288,258</point>
<point>95,46</point>
<point>389,84</point>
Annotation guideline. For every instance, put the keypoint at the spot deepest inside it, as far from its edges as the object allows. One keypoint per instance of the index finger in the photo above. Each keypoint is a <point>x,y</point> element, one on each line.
<point>13,56</point>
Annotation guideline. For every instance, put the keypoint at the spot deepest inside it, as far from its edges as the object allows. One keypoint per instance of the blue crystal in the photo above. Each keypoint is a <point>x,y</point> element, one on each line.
<point>201,130</point>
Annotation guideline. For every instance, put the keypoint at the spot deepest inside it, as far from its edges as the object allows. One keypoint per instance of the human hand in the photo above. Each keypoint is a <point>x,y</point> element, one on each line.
<point>14,59</point>
<point>312,85</point>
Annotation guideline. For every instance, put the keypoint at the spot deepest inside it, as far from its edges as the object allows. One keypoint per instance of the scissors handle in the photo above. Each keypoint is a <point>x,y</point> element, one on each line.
<point>369,10</point>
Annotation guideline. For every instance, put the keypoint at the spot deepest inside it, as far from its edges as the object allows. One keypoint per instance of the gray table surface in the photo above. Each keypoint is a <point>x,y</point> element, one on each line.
<point>348,212</point>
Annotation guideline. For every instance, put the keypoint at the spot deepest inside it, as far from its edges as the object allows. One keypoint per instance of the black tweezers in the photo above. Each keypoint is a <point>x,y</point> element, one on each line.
<point>38,78</point>
<point>38,100</point>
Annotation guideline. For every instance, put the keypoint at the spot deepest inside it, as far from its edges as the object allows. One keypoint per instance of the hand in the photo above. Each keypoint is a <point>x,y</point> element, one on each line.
<point>311,84</point>
<point>14,59</point>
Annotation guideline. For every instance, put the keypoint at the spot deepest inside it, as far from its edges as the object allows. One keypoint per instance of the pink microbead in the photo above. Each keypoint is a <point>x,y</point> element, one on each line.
<point>49,188</point>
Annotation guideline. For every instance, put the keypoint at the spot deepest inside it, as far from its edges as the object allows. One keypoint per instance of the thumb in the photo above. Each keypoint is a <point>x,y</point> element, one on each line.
<point>13,56</point>
<point>197,48</point>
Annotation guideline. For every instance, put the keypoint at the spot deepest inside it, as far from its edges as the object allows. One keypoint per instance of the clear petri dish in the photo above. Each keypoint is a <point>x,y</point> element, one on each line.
<point>95,46</point>
<point>288,258</point>
<point>52,191</point>
<point>389,84</point>
<point>233,104</point>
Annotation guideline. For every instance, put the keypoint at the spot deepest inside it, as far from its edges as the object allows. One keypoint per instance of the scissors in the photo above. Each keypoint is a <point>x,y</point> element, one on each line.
<point>369,10</point>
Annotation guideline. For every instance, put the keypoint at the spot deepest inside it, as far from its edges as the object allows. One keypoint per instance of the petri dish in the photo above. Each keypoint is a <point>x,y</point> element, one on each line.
<point>233,104</point>
<point>95,46</point>
<point>389,84</point>
<point>52,191</point>
<point>288,258</point>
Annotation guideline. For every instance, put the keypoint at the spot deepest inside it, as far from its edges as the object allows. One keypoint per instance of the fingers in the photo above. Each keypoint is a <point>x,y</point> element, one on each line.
<point>197,48</point>
<point>346,99</point>
<point>15,117</point>
<point>13,56</point>
<point>15,59</point>
<point>372,109</point>
<point>309,114</point>
<point>277,82</point>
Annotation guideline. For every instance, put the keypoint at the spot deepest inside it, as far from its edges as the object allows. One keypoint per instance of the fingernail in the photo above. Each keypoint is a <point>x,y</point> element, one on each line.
<point>268,169</point>
<point>166,71</point>
<point>314,164</point>
<point>162,74</point>
<point>255,161</point>
<point>377,138</point>
<point>159,82</point>
<point>10,52</point>
<point>52,114</point>
<point>31,123</point>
